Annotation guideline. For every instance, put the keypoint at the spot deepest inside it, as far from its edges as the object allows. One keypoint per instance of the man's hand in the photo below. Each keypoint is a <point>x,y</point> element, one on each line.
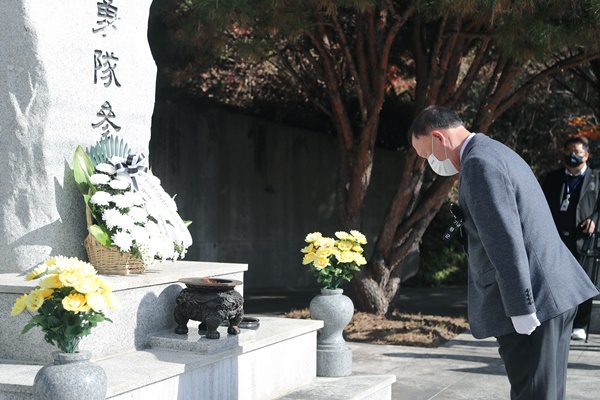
<point>588,226</point>
<point>525,324</point>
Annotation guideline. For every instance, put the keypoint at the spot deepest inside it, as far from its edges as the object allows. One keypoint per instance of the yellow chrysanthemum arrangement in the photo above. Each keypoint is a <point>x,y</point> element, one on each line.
<point>69,300</point>
<point>333,260</point>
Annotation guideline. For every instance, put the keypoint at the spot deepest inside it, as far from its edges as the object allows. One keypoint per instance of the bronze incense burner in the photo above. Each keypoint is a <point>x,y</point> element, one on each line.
<point>210,301</point>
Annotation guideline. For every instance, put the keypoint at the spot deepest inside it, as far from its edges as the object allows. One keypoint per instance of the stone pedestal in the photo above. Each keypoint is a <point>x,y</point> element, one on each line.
<point>334,360</point>
<point>334,357</point>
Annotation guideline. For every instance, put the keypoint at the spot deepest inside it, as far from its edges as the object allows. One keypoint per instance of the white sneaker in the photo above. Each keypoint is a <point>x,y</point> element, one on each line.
<point>578,334</point>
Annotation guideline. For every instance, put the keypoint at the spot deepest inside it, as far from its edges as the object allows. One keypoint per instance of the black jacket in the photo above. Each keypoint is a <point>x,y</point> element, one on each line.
<point>553,187</point>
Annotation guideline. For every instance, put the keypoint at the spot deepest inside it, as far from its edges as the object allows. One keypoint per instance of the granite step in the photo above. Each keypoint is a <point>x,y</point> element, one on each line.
<point>258,364</point>
<point>353,387</point>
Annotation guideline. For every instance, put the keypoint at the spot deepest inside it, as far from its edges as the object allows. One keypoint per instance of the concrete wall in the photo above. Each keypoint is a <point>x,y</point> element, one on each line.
<point>255,188</point>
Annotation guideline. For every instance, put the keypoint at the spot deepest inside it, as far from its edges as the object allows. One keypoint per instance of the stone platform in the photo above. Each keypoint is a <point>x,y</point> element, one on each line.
<point>144,359</point>
<point>146,301</point>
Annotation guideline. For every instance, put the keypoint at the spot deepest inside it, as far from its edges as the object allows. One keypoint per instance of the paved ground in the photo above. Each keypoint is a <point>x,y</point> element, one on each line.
<point>464,368</point>
<point>467,368</point>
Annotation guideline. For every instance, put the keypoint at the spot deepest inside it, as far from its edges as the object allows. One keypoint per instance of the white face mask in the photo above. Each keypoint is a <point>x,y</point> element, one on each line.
<point>443,168</point>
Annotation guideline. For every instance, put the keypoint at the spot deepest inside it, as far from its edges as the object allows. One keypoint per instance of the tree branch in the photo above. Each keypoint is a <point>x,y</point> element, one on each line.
<point>429,200</point>
<point>361,56</point>
<point>305,83</point>
<point>434,60</point>
<point>474,68</point>
<point>335,97</point>
<point>421,66</point>
<point>398,205</point>
<point>566,63</point>
<point>352,66</point>
<point>372,40</point>
<point>440,69</point>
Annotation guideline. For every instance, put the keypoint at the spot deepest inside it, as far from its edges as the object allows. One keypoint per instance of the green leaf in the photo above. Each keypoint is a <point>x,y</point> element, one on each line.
<point>37,320</point>
<point>101,234</point>
<point>82,169</point>
<point>187,223</point>
<point>27,327</point>
<point>97,318</point>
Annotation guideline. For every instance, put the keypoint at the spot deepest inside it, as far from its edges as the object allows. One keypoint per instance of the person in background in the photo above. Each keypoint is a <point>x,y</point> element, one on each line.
<point>524,284</point>
<point>572,194</point>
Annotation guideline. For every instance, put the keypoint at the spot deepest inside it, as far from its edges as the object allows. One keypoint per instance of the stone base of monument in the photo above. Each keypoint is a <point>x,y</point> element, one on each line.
<point>144,359</point>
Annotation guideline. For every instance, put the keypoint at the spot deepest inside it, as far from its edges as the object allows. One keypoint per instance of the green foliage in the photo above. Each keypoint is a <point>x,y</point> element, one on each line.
<point>63,328</point>
<point>529,29</point>
<point>241,53</point>
<point>101,234</point>
<point>82,169</point>
<point>107,148</point>
<point>334,274</point>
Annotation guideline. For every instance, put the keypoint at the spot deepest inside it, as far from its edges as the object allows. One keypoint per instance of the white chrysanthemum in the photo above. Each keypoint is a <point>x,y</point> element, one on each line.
<point>147,254</point>
<point>135,198</point>
<point>111,217</point>
<point>125,222</point>
<point>106,168</point>
<point>122,201</point>
<point>119,184</point>
<point>140,235</point>
<point>99,179</point>
<point>100,198</point>
<point>122,240</point>
<point>138,214</point>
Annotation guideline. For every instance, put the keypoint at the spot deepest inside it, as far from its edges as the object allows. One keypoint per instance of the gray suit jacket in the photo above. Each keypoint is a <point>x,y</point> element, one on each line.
<point>517,262</point>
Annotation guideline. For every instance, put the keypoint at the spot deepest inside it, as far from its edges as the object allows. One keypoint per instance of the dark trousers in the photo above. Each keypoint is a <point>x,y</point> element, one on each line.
<point>584,315</point>
<point>536,364</point>
<point>584,311</point>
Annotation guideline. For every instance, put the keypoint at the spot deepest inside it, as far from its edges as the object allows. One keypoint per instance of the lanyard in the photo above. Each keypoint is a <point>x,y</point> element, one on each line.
<point>575,181</point>
<point>568,188</point>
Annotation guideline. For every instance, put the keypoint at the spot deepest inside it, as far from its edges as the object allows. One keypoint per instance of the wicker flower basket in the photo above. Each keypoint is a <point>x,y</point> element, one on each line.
<point>108,260</point>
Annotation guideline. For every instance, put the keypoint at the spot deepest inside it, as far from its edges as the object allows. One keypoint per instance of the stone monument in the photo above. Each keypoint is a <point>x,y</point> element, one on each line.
<point>71,72</point>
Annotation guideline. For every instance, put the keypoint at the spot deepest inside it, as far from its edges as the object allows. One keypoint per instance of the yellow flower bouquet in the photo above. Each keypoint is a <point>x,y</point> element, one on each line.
<point>69,300</point>
<point>333,260</point>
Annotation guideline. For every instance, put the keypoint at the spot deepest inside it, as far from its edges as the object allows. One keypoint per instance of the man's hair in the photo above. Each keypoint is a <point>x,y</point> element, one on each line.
<point>578,140</point>
<point>432,118</point>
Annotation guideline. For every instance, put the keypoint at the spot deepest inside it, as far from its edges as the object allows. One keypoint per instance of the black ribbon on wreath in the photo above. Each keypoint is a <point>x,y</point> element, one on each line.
<point>129,167</point>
